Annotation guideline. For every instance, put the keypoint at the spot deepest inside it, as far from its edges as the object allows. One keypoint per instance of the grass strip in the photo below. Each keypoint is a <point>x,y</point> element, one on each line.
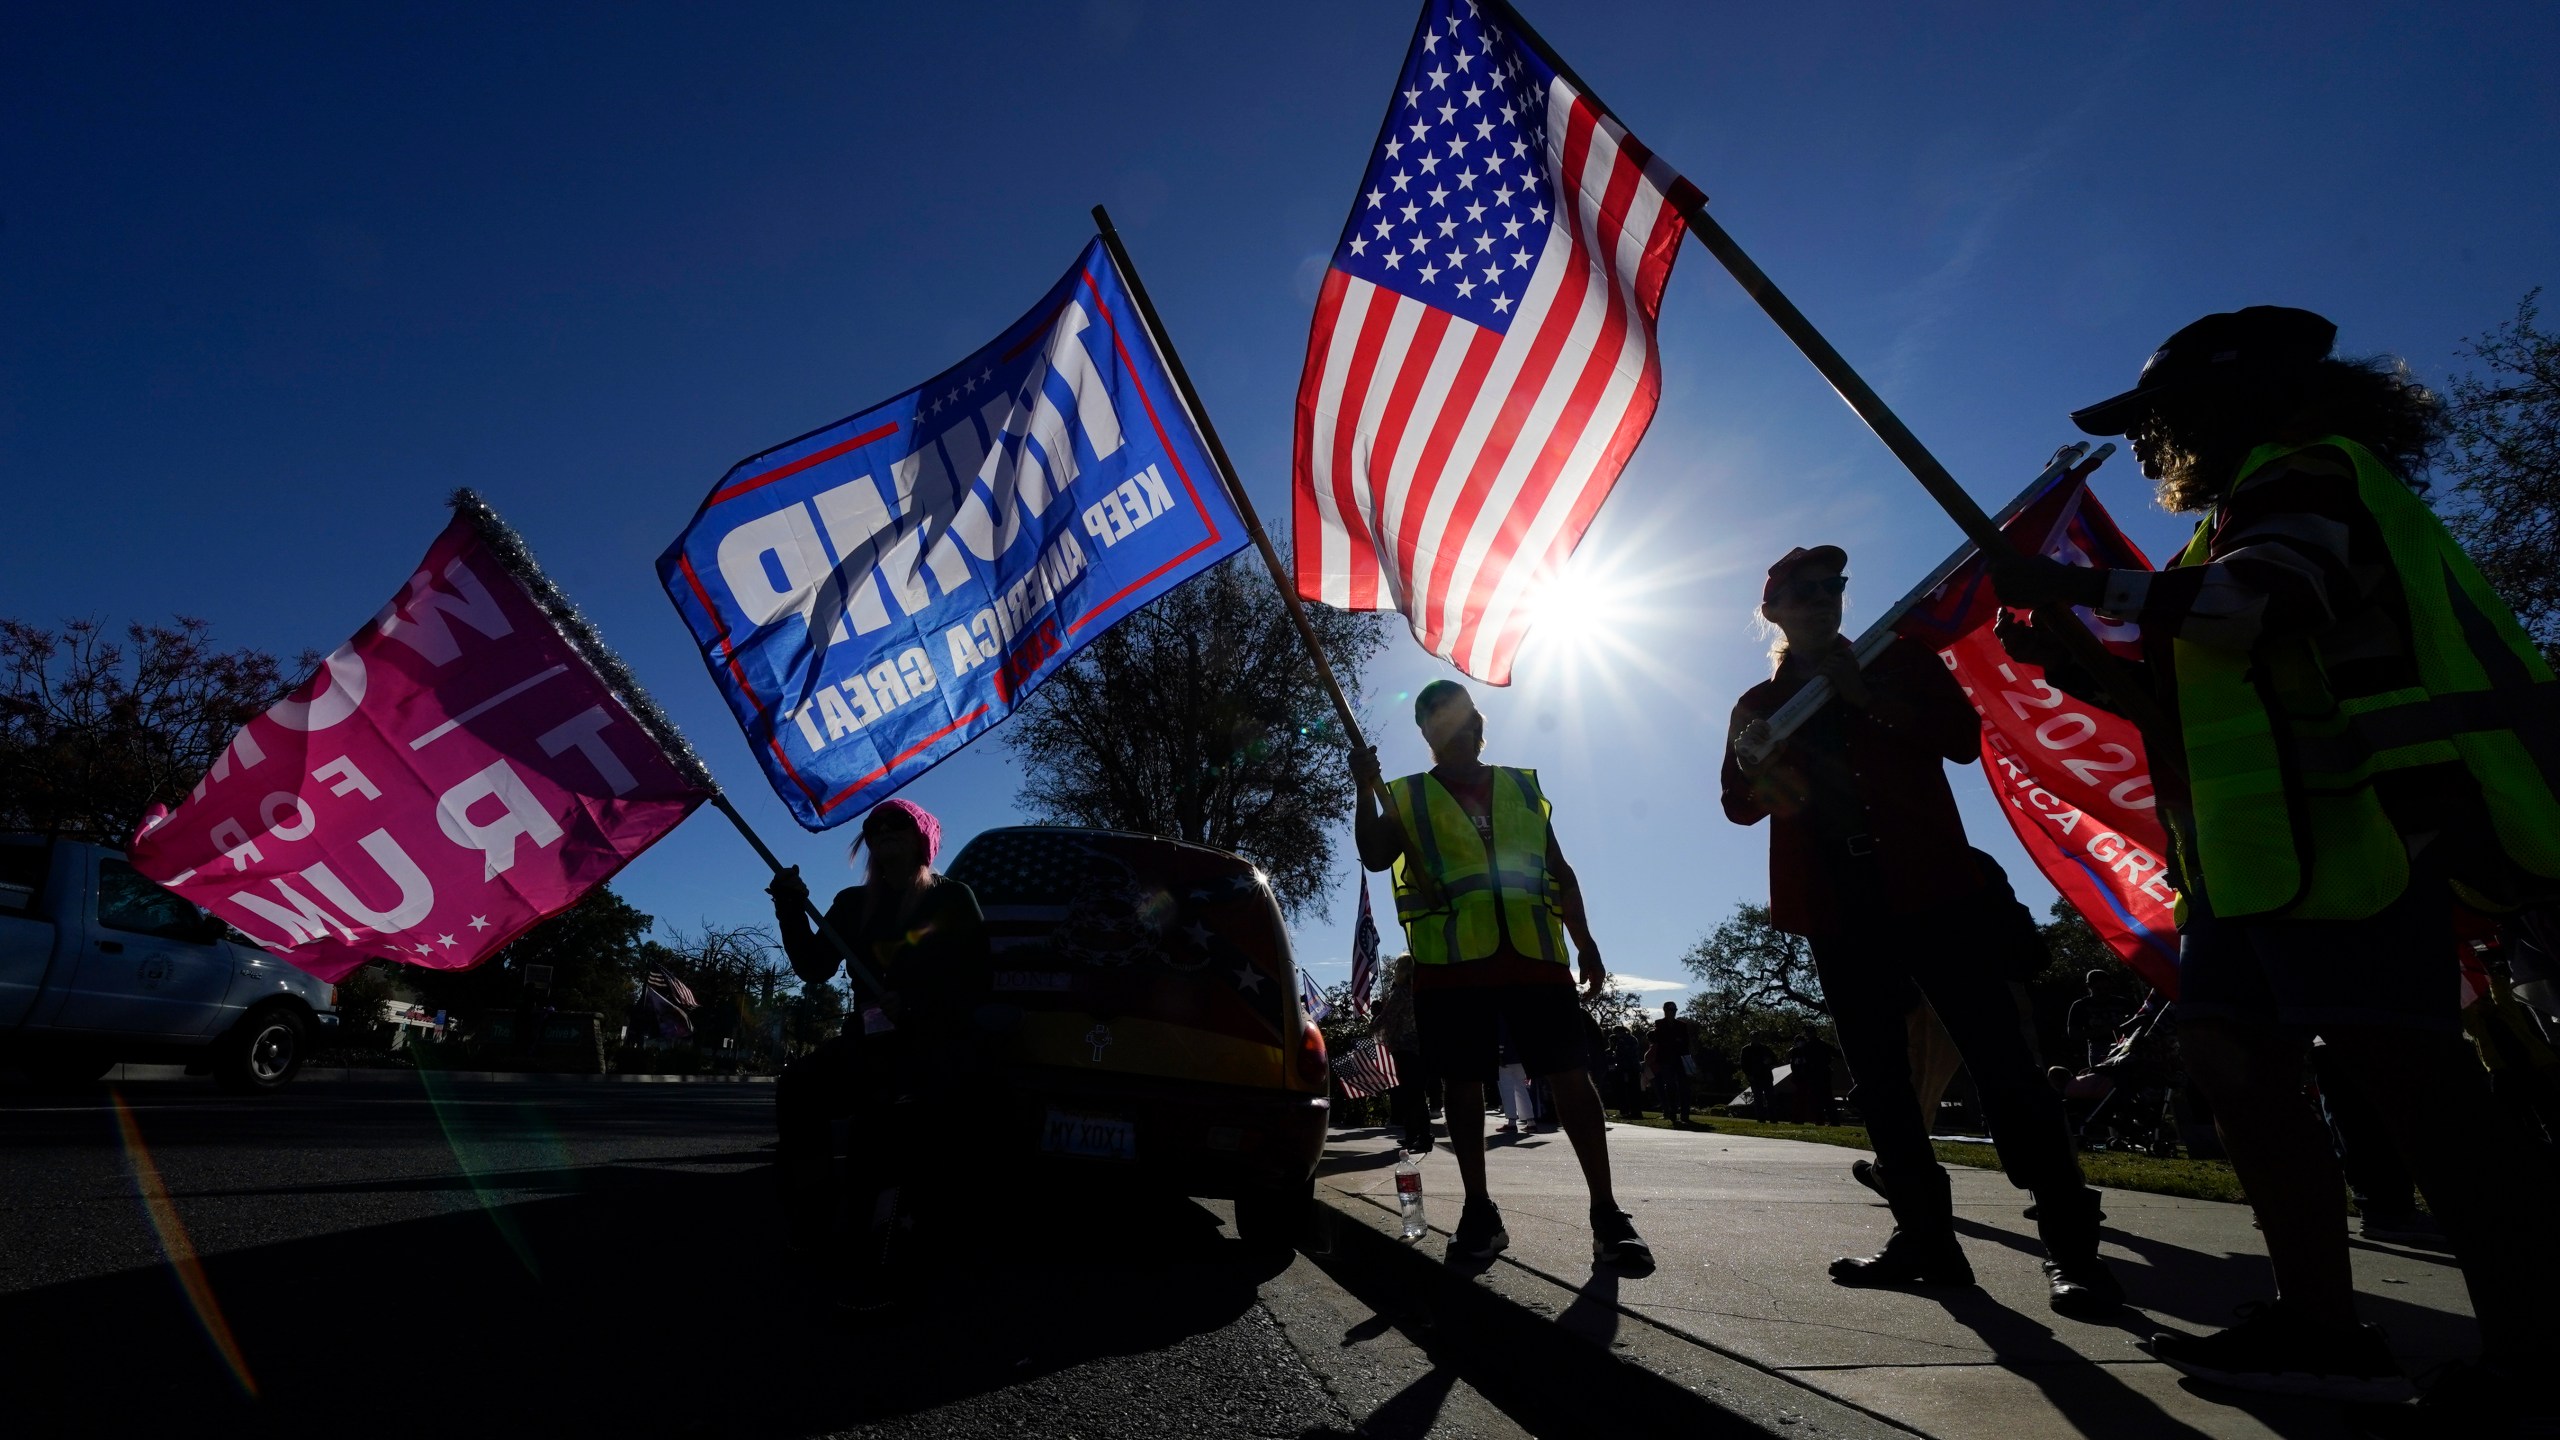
<point>2116,1169</point>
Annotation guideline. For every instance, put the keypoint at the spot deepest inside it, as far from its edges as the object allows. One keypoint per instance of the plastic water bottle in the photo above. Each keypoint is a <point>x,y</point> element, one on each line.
<point>1409,1194</point>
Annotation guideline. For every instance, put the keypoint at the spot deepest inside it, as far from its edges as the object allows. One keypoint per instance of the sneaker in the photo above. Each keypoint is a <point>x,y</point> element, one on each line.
<point>1865,1173</point>
<point>2413,1228</point>
<point>2086,1290</point>
<point>1614,1241</point>
<point>1906,1261</point>
<point>1479,1235</point>
<point>2275,1353</point>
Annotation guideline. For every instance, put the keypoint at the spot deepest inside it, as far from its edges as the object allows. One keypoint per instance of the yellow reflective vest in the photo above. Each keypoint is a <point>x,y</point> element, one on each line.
<point>2285,819</point>
<point>1461,895</point>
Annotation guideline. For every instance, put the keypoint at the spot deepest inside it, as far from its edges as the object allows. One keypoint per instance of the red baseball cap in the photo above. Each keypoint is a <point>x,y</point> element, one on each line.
<point>1798,558</point>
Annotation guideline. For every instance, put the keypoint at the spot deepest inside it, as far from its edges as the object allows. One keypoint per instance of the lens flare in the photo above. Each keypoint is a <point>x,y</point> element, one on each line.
<point>482,1151</point>
<point>181,1251</point>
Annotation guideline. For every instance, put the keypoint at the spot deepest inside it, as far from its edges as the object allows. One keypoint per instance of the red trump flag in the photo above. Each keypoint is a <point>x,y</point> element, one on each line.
<point>470,763</point>
<point>2072,777</point>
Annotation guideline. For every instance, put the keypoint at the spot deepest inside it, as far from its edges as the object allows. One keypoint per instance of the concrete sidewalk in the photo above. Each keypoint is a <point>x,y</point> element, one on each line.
<point>1744,1227</point>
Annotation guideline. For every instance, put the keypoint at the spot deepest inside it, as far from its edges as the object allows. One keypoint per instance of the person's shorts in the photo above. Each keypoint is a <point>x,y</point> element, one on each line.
<point>1462,1028</point>
<point>2397,968</point>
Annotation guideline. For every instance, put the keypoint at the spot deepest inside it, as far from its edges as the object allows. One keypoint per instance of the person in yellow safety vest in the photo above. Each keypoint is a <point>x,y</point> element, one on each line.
<point>1487,900</point>
<point>2355,724</point>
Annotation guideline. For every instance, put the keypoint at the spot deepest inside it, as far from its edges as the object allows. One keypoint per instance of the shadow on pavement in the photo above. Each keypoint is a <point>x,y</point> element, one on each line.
<point>661,1308</point>
<point>2199,1290</point>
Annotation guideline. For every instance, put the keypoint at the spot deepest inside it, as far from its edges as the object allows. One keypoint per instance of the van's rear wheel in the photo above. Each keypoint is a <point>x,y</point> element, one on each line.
<point>263,1053</point>
<point>1277,1218</point>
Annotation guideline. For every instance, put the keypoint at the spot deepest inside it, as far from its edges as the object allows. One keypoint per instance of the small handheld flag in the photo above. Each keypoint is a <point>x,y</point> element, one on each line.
<point>874,595</point>
<point>1370,1069</point>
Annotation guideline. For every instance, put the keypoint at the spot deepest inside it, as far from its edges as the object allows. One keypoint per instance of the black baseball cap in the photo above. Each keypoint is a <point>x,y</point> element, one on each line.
<point>2229,346</point>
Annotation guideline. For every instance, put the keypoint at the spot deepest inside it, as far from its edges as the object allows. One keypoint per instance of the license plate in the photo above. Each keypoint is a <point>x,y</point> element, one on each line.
<point>1098,1137</point>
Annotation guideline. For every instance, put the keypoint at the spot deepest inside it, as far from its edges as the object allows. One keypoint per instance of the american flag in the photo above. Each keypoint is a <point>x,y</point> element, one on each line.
<point>1482,361</point>
<point>1364,956</point>
<point>1368,1070</point>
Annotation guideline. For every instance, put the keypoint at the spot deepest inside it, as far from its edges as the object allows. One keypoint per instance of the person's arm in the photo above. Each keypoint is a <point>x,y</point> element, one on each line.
<point>1745,793</point>
<point>2062,670</point>
<point>812,958</point>
<point>1577,921</point>
<point>2281,562</point>
<point>1380,836</point>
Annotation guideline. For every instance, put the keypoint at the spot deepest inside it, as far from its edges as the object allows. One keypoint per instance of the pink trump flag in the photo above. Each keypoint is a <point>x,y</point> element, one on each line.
<point>470,763</point>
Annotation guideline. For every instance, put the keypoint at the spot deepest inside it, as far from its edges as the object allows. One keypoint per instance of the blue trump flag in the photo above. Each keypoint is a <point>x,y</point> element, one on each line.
<point>874,595</point>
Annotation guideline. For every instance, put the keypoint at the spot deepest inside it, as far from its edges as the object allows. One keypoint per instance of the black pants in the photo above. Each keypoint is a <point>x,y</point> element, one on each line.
<point>1873,978</point>
<point>1763,1105</point>
<point>851,1077</point>
<point>2375,1172</point>
<point>1409,1103</point>
<point>1675,1090</point>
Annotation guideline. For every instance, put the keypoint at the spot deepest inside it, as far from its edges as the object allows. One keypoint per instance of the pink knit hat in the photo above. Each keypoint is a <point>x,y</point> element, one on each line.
<point>925,824</point>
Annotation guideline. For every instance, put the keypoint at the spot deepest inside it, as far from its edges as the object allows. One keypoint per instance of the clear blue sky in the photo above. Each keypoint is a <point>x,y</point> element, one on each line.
<point>273,281</point>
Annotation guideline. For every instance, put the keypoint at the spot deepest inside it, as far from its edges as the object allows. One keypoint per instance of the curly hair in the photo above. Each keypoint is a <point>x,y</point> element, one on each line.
<point>2203,435</point>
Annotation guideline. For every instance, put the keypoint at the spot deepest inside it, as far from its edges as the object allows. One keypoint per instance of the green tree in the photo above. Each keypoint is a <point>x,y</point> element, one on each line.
<point>361,995</point>
<point>1756,982</point>
<point>2505,464</point>
<point>1201,718</point>
<point>94,731</point>
<point>593,949</point>
<point>1749,962</point>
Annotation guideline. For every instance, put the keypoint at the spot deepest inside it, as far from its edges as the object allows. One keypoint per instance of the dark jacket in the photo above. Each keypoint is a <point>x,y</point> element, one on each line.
<point>934,956</point>
<point>1888,763</point>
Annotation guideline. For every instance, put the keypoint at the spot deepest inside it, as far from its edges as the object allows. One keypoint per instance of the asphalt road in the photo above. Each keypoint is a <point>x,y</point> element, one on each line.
<point>599,1259</point>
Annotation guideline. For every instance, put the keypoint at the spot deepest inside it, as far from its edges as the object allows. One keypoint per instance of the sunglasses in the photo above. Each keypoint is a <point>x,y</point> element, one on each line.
<point>1803,590</point>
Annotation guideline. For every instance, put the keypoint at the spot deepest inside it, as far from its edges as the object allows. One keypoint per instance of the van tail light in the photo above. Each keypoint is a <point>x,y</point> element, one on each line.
<point>1312,1070</point>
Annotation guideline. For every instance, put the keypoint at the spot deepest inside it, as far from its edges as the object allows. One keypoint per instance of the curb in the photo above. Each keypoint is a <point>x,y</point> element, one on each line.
<point>1608,1363</point>
<point>380,1075</point>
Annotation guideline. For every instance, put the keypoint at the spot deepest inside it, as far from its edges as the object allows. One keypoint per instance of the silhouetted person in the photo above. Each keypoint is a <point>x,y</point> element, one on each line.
<point>2362,723</point>
<point>1672,1040</point>
<point>901,1053</point>
<point>1760,1072</point>
<point>1487,902</point>
<point>1868,861</point>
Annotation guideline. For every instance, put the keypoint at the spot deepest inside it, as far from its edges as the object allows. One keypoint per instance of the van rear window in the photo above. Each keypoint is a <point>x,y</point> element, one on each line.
<point>1025,867</point>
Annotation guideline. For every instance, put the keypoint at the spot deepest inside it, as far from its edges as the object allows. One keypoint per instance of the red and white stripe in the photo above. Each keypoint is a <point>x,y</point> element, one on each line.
<point>1368,1070</point>
<point>1446,470</point>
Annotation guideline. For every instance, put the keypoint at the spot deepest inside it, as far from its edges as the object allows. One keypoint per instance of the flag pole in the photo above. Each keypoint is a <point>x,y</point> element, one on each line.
<point>2073,463</point>
<point>1227,474</point>
<point>852,960</point>
<point>2130,700</point>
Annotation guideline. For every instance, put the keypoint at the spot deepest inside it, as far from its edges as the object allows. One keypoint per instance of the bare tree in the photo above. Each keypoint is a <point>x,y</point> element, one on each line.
<point>2505,464</point>
<point>94,731</point>
<point>1201,718</point>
